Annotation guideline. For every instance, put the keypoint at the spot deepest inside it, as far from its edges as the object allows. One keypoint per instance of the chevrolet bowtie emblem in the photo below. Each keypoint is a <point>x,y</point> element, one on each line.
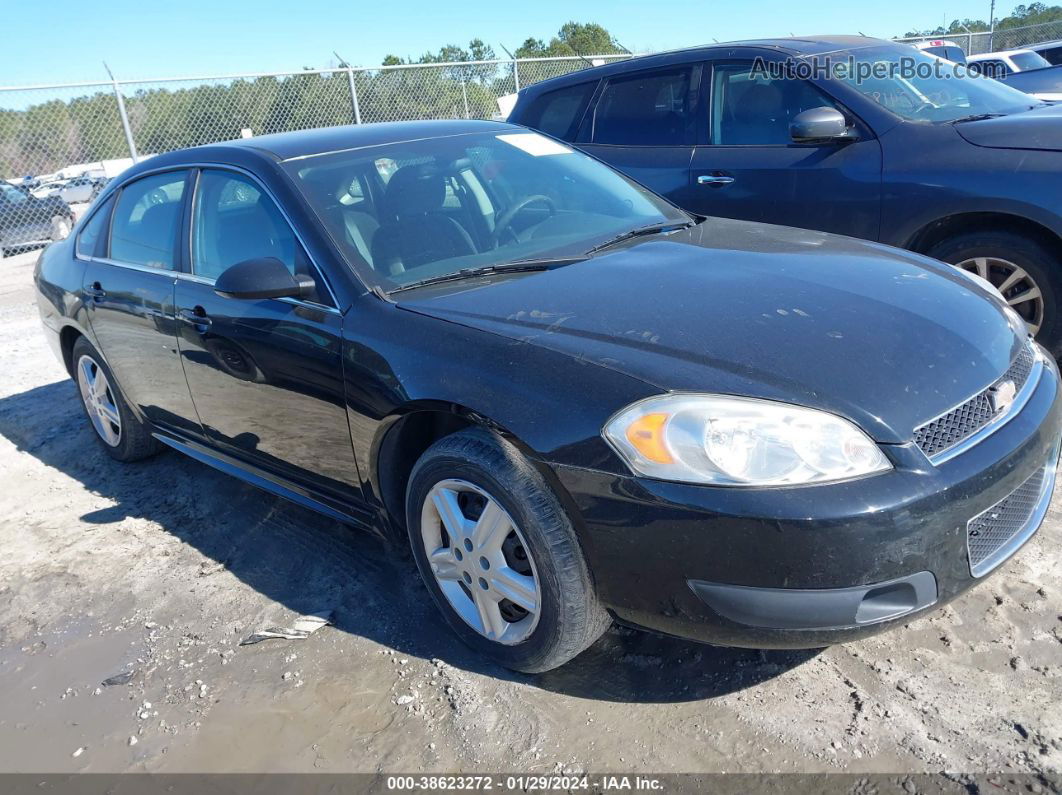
<point>1002,395</point>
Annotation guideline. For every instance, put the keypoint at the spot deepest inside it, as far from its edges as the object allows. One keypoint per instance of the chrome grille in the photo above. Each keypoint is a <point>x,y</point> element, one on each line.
<point>946,431</point>
<point>990,532</point>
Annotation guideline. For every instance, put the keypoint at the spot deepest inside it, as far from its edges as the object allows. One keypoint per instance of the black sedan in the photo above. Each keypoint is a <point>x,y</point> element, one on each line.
<point>578,402</point>
<point>841,134</point>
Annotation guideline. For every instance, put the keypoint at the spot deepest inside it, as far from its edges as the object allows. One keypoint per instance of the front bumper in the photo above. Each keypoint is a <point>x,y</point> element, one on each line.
<point>814,565</point>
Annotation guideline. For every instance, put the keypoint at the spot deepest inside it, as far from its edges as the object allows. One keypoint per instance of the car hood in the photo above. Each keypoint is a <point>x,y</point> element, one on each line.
<point>881,336</point>
<point>1034,129</point>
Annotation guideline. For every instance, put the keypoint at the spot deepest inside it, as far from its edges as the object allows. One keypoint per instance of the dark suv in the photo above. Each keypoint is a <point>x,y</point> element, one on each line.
<point>964,169</point>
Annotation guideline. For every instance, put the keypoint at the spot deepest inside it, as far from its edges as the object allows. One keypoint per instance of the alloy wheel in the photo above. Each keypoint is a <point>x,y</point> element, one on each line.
<point>1018,288</point>
<point>99,401</point>
<point>481,561</point>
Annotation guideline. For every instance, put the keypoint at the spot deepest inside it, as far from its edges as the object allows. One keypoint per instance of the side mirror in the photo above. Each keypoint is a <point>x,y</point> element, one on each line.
<point>820,125</point>
<point>264,277</point>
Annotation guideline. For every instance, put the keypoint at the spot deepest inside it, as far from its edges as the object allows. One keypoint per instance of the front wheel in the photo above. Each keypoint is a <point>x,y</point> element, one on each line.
<point>498,554</point>
<point>1023,270</point>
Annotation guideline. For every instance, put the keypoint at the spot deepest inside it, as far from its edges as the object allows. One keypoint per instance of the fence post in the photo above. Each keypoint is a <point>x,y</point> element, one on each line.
<point>354,95</point>
<point>516,75</point>
<point>464,96</point>
<point>123,115</point>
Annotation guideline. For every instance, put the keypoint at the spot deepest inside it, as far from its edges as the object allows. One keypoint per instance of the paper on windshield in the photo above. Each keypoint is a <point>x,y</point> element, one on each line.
<point>534,144</point>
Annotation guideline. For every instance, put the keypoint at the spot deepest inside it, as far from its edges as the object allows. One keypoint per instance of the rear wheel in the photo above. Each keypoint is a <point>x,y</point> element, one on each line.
<point>1023,270</point>
<point>119,431</point>
<point>498,554</point>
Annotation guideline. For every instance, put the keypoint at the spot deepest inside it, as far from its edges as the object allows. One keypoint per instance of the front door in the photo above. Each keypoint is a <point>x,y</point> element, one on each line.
<point>266,375</point>
<point>128,287</point>
<point>751,169</point>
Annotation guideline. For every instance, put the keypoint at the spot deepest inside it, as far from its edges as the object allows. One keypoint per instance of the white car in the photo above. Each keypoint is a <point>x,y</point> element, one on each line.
<point>71,191</point>
<point>942,48</point>
<point>1001,65</point>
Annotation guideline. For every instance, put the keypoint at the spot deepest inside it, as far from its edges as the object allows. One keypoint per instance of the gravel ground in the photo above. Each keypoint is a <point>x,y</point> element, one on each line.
<point>159,569</point>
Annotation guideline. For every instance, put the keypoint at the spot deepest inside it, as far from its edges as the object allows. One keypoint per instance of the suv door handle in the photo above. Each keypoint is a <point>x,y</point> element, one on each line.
<point>95,291</point>
<point>717,180</point>
<point>195,316</point>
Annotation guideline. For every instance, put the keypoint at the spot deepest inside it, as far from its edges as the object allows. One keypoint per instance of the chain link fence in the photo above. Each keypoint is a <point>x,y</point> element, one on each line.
<point>59,144</point>
<point>1006,39</point>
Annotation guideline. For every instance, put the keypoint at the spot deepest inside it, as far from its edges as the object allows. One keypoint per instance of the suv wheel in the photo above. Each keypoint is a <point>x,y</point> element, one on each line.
<point>120,432</point>
<point>1023,270</point>
<point>498,554</point>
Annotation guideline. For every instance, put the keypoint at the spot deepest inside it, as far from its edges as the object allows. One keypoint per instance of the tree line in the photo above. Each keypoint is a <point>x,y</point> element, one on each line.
<point>1021,16</point>
<point>44,137</point>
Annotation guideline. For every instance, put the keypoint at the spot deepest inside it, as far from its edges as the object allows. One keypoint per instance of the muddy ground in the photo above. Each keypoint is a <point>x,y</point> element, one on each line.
<point>161,568</point>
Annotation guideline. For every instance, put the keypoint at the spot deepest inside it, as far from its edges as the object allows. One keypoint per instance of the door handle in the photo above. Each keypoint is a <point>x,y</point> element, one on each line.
<point>717,180</point>
<point>95,291</point>
<point>195,316</point>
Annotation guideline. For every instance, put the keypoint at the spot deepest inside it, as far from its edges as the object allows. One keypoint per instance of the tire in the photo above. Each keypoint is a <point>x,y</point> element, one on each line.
<point>127,440</point>
<point>997,253</point>
<point>540,542</point>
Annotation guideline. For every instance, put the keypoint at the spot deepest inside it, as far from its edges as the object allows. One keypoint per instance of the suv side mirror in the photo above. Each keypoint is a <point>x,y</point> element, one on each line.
<point>820,125</point>
<point>263,277</point>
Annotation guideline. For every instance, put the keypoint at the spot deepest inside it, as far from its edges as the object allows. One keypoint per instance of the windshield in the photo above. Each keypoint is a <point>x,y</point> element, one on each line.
<point>923,88</point>
<point>418,210</point>
<point>1024,61</point>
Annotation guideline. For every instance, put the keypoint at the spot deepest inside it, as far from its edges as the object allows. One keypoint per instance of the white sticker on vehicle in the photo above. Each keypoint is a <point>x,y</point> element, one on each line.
<point>534,144</point>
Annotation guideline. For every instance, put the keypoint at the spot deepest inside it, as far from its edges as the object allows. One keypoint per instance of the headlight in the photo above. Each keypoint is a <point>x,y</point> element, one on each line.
<point>733,441</point>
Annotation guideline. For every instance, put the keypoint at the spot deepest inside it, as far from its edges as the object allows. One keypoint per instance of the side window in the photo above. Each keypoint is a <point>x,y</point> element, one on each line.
<point>558,112</point>
<point>650,109</point>
<point>750,109</point>
<point>147,219</point>
<point>90,240</point>
<point>991,68</point>
<point>233,221</point>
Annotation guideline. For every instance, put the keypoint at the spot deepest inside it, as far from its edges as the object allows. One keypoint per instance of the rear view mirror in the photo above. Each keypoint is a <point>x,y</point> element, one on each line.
<point>820,125</point>
<point>264,277</point>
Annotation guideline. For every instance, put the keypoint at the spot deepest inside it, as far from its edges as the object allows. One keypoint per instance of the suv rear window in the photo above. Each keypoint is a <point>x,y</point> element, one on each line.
<point>558,113</point>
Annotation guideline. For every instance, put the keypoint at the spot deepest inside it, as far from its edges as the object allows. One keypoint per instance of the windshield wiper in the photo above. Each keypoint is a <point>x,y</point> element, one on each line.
<point>978,117</point>
<point>641,231</point>
<point>516,266</point>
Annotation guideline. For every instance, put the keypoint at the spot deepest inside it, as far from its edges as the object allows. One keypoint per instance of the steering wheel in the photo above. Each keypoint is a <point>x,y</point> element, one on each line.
<point>507,217</point>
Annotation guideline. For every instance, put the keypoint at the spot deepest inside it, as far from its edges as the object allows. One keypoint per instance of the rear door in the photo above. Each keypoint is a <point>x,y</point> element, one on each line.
<point>749,167</point>
<point>266,375</point>
<point>132,260</point>
<point>644,124</point>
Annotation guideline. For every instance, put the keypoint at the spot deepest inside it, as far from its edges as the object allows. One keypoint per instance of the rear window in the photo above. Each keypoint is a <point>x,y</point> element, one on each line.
<point>559,112</point>
<point>1029,60</point>
<point>91,240</point>
<point>650,109</point>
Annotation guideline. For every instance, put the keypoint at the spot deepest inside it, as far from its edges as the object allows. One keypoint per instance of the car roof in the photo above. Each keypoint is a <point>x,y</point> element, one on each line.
<point>304,143</point>
<point>1001,54</point>
<point>1046,45</point>
<point>301,143</point>
<point>795,45</point>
